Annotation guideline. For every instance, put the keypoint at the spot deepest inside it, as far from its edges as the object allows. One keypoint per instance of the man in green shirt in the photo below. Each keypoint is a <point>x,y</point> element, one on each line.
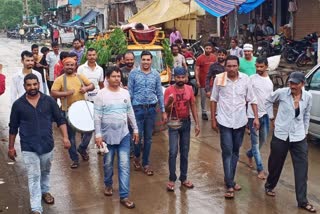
<point>247,64</point>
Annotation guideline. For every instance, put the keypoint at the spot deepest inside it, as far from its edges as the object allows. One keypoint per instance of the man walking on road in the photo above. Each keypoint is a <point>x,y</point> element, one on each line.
<point>93,72</point>
<point>262,87</point>
<point>52,59</point>
<point>112,109</point>
<point>17,87</point>
<point>291,129</point>
<point>32,114</point>
<point>231,90</point>
<point>125,71</point>
<point>248,62</point>
<point>145,91</point>
<point>71,87</point>
<point>202,67</point>
<point>215,69</point>
<point>179,99</point>
<point>77,49</point>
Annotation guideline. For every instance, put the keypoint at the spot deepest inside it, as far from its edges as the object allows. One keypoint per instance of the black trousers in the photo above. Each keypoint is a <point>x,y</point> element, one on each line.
<point>299,155</point>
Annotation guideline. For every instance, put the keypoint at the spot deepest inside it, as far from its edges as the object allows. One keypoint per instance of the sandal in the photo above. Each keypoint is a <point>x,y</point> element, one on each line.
<point>262,175</point>
<point>127,203</point>
<point>270,192</point>
<point>229,194</point>
<point>108,191</point>
<point>308,207</point>
<point>170,186</point>
<point>48,198</point>
<point>147,171</point>
<point>237,187</point>
<point>187,184</point>
<point>250,162</point>
<point>84,155</point>
<point>74,165</point>
<point>136,164</point>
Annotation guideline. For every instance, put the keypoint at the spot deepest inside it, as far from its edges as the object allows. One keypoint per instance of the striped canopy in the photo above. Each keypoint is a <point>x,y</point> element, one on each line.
<point>219,8</point>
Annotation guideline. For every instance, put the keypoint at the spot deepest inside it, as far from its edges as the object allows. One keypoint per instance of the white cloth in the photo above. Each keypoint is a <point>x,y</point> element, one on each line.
<point>52,59</point>
<point>262,88</point>
<point>95,76</point>
<point>231,101</point>
<point>17,88</point>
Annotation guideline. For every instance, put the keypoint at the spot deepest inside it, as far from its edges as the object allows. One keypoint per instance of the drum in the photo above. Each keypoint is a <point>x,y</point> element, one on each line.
<point>80,116</point>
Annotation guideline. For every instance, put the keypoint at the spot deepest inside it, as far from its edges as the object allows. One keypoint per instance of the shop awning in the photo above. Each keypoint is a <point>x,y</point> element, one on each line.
<point>219,8</point>
<point>89,17</point>
<point>160,11</point>
<point>250,5</point>
<point>74,2</point>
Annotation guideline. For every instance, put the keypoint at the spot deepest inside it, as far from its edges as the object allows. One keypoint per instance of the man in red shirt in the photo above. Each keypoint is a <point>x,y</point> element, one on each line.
<point>58,68</point>
<point>178,100</point>
<point>202,67</point>
<point>2,81</point>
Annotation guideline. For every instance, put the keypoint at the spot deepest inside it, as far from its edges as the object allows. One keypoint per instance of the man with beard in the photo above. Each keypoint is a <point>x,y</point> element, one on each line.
<point>262,88</point>
<point>112,109</point>
<point>52,59</point>
<point>248,62</point>
<point>71,87</point>
<point>125,71</point>
<point>32,114</point>
<point>215,69</point>
<point>77,49</point>
<point>230,93</point>
<point>178,59</point>
<point>202,67</point>
<point>93,72</point>
<point>145,90</point>
<point>290,132</point>
<point>17,88</point>
<point>179,99</point>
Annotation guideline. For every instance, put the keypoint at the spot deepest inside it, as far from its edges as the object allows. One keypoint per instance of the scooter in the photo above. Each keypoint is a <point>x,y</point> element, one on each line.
<point>196,47</point>
<point>191,75</point>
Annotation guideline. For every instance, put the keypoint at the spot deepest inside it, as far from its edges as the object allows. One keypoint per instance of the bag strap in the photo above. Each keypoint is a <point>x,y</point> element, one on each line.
<point>65,102</point>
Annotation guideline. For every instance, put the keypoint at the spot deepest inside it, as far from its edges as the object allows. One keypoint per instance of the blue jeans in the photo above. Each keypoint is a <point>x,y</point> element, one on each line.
<point>38,170</point>
<point>145,118</point>
<point>230,142</point>
<point>179,137</point>
<point>123,152</point>
<point>85,140</point>
<point>258,138</point>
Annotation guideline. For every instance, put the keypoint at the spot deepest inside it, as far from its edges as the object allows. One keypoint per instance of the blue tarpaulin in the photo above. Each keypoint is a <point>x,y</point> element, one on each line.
<point>90,16</point>
<point>75,2</point>
<point>249,5</point>
<point>220,8</point>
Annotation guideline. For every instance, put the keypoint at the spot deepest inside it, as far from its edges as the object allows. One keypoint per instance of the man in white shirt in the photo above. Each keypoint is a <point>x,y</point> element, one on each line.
<point>262,87</point>
<point>17,88</point>
<point>93,72</point>
<point>231,90</point>
<point>52,58</point>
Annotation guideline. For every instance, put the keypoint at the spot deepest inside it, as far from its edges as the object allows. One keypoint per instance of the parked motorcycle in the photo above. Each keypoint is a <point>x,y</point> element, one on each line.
<point>307,56</point>
<point>191,74</point>
<point>293,49</point>
<point>270,46</point>
<point>196,47</point>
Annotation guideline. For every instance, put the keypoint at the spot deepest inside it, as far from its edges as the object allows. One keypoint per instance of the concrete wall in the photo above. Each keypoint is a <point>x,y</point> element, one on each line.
<point>306,18</point>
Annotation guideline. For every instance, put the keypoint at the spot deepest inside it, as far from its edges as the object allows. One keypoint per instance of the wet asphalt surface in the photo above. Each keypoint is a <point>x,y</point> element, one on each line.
<point>80,191</point>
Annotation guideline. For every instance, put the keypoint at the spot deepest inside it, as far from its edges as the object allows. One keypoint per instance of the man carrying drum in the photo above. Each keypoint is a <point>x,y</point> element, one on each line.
<point>70,88</point>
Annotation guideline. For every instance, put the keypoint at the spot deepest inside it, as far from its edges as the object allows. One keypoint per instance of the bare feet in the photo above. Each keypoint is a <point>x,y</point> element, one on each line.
<point>262,175</point>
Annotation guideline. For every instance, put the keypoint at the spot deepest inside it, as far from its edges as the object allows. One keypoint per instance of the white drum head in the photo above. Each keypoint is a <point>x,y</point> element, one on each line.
<point>80,116</point>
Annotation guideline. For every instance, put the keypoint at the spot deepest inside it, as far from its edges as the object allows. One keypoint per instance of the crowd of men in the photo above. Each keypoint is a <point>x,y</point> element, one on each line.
<point>125,101</point>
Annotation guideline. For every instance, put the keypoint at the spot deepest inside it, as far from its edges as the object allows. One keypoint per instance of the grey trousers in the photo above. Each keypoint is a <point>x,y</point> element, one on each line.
<point>203,100</point>
<point>299,155</point>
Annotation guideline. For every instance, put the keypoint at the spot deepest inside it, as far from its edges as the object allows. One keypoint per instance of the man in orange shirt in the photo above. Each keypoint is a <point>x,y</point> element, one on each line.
<point>202,67</point>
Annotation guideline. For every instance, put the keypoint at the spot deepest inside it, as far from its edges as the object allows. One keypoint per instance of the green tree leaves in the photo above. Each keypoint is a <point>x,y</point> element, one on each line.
<point>11,12</point>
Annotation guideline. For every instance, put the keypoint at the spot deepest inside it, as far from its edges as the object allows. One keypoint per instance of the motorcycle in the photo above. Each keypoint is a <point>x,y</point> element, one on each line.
<point>270,46</point>
<point>293,49</point>
<point>196,47</point>
<point>191,75</point>
<point>307,56</point>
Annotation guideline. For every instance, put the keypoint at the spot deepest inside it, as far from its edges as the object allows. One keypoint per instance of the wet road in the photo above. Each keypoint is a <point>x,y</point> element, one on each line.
<point>80,191</point>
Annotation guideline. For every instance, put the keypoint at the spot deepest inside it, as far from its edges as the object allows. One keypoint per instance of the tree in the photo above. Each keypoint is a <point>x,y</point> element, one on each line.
<point>11,12</point>
<point>35,7</point>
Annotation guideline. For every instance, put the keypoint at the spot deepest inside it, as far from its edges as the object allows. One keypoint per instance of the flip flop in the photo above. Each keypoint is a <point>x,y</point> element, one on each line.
<point>136,165</point>
<point>308,207</point>
<point>229,194</point>
<point>187,184</point>
<point>147,171</point>
<point>270,192</point>
<point>237,187</point>
<point>170,186</point>
<point>127,203</point>
<point>48,198</point>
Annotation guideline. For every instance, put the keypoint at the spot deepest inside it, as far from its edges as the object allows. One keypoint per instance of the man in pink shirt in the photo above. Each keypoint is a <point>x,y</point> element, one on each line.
<point>175,35</point>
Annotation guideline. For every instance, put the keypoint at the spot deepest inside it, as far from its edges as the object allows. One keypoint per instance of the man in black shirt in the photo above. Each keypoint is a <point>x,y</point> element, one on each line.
<point>215,68</point>
<point>129,64</point>
<point>32,114</point>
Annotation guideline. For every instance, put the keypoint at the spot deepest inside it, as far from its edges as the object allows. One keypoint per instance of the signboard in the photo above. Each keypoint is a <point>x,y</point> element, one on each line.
<point>67,38</point>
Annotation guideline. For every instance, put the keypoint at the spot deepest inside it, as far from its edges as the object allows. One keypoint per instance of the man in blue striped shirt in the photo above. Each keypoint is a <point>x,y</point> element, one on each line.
<point>145,89</point>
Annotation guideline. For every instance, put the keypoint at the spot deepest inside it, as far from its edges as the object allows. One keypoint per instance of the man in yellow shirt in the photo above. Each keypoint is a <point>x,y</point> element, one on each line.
<point>74,90</point>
